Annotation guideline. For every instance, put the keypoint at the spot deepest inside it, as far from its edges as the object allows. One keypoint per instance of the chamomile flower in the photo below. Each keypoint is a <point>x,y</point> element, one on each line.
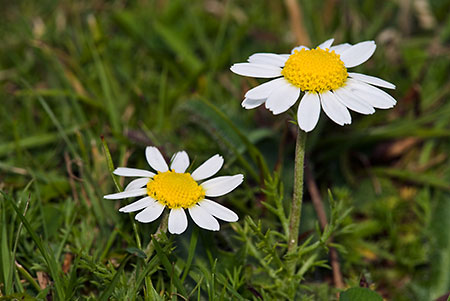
<point>322,74</point>
<point>178,190</point>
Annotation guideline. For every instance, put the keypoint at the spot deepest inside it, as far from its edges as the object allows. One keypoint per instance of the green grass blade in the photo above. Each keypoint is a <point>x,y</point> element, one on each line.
<point>168,266</point>
<point>60,93</point>
<point>255,154</point>
<point>110,163</point>
<point>150,268</point>
<point>19,230</point>
<point>179,47</point>
<point>110,288</point>
<point>111,102</point>
<point>28,277</point>
<point>55,121</point>
<point>5,263</point>
<point>414,177</point>
<point>191,253</point>
<point>34,141</point>
<point>49,259</point>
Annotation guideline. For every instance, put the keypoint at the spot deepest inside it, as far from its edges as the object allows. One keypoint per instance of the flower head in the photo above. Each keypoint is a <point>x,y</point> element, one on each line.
<point>322,74</point>
<point>178,190</point>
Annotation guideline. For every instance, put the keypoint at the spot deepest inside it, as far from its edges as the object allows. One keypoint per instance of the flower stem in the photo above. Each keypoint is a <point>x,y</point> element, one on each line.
<point>296,207</point>
<point>161,229</point>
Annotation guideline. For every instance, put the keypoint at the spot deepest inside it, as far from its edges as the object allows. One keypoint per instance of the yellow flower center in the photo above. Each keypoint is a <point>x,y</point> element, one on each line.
<point>315,70</point>
<point>175,190</point>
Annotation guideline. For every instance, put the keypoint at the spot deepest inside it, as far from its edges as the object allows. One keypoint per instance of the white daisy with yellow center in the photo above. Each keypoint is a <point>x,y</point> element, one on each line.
<point>322,74</point>
<point>178,190</point>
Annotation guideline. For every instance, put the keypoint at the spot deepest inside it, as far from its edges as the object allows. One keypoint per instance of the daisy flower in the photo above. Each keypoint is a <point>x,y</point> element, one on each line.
<point>178,190</point>
<point>322,75</point>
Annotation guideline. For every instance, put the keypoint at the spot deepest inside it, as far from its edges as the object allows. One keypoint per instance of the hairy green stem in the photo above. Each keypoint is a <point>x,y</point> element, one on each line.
<point>161,229</point>
<point>296,207</point>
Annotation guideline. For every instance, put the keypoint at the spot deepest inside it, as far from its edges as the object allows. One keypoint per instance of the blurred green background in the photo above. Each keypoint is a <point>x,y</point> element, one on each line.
<point>157,73</point>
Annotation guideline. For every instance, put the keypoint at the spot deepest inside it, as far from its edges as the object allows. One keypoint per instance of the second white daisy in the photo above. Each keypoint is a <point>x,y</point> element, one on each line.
<point>322,74</point>
<point>178,190</point>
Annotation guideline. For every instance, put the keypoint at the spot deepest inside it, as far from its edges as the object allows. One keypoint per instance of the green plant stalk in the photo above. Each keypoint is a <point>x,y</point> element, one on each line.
<point>162,228</point>
<point>296,207</point>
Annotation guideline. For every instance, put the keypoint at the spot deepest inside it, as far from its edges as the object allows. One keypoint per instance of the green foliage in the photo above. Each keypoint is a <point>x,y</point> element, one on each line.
<point>267,247</point>
<point>359,293</point>
<point>141,73</point>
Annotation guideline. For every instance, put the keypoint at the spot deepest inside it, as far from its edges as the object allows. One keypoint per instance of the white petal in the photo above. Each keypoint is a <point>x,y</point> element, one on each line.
<point>256,70</point>
<point>177,221</point>
<point>358,53</point>
<point>209,168</point>
<point>150,213</point>
<point>285,55</point>
<point>351,101</point>
<point>375,97</point>
<point>222,185</point>
<point>298,48</point>
<point>126,194</point>
<point>138,205</point>
<point>138,183</point>
<point>248,103</point>
<point>218,211</point>
<point>155,159</point>
<point>203,219</point>
<point>334,109</point>
<point>180,162</point>
<point>308,111</point>
<point>132,172</point>
<point>372,80</point>
<point>264,90</point>
<point>340,48</point>
<point>267,59</point>
<point>282,98</point>
<point>374,100</point>
<point>326,44</point>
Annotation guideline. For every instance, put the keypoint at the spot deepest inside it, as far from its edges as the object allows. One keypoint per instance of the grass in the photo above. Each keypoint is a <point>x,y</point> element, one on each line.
<point>141,73</point>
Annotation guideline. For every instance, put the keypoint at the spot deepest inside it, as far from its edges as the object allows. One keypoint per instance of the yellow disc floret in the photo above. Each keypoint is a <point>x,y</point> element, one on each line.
<point>175,190</point>
<point>315,70</point>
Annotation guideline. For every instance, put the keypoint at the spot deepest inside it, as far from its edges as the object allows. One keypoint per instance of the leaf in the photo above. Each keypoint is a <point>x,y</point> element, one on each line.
<point>137,252</point>
<point>34,141</point>
<point>53,266</point>
<point>5,263</point>
<point>235,139</point>
<point>60,93</point>
<point>110,163</point>
<point>154,294</point>
<point>106,82</point>
<point>180,47</point>
<point>438,280</point>
<point>55,121</point>
<point>359,294</point>
<point>414,177</point>
<point>110,288</point>
<point>191,253</point>
<point>150,268</point>
<point>168,266</point>
<point>17,296</point>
